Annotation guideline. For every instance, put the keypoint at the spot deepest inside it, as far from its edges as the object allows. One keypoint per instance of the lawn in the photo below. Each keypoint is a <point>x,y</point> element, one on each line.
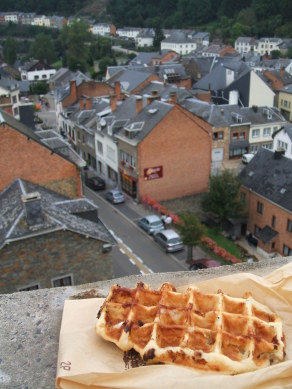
<point>221,241</point>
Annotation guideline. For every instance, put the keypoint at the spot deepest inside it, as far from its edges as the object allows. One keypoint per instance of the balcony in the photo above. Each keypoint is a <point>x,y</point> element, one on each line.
<point>30,321</point>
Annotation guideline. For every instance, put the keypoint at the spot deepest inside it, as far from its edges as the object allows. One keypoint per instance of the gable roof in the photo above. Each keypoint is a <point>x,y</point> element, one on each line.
<point>287,128</point>
<point>58,213</point>
<point>270,178</point>
<point>62,148</point>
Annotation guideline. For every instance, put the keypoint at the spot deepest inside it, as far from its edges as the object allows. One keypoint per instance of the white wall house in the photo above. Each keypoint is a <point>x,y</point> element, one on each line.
<point>11,17</point>
<point>260,94</point>
<point>42,21</point>
<point>11,89</point>
<point>128,32</point>
<point>180,43</point>
<point>145,38</point>
<point>261,132</point>
<point>267,45</point>
<point>102,29</point>
<point>283,140</point>
<point>243,44</point>
<point>37,71</point>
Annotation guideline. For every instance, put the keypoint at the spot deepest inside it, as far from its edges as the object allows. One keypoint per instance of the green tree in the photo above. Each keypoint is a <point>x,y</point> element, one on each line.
<point>191,231</point>
<point>43,48</point>
<point>39,88</point>
<point>223,196</point>
<point>10,51</point>
<point>158,37</point>
<point>76,40</point>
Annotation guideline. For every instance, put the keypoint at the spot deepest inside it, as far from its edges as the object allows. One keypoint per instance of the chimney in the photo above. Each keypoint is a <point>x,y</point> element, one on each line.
<point>88,103</point>
<point>33,209</point>
<point>73,90</point>
<point>118,89</point>
<point>173,97</point>
<point>282,73</point>
<point>139,104</point>
<point>113,101</point>
<point>278,153</point>
<point>81,103</point>
<point>149,100</point>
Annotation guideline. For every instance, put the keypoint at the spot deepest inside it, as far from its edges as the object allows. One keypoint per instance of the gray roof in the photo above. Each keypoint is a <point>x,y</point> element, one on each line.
<point>58,213</point>
<point>10,85</point>
<point>287,89</point>
<point>179,37</point>
<point>287,128</point>
<point>129,79</point>
<point>62,148</point>
<point>270,178</point>
<point>141,125</point>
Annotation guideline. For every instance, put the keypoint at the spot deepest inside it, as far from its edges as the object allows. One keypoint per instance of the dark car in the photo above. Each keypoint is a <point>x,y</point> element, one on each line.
<point>197,266</point>
<point>95,183</point>
<point>115,196</point>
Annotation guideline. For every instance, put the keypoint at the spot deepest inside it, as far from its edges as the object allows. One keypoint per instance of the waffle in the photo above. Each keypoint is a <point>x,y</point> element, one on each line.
<point>212,332</point>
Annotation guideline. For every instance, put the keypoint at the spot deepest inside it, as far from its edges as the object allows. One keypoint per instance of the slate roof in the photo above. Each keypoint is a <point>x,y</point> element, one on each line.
<point>287,128</point>
<point>58,213</point>
<point>178,37</point>
<point>287,89</point>
<point>270,178</point>
<point>10,85</point>
<point>145,121</point>
<point>65,151</point>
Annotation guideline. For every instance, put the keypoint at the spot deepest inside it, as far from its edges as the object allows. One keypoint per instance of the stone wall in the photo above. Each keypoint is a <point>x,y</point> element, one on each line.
<point>40,259</point>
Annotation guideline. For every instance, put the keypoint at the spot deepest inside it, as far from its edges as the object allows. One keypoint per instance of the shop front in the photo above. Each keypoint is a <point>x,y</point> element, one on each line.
<point>129,183</point>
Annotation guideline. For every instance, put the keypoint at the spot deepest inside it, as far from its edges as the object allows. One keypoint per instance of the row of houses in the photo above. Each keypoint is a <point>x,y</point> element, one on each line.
<point>262,46</point>
<point>32,19</point>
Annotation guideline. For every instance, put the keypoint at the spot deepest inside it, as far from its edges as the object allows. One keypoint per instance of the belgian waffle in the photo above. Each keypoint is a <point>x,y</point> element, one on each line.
<point>213,332</point>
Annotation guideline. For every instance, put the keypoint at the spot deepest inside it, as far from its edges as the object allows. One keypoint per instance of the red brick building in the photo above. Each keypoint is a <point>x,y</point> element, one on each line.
<point>267,191</point>
<point>165,152</point>
<point>48,162</point>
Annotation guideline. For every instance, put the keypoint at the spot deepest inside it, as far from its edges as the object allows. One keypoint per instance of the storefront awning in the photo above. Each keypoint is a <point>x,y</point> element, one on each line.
<point>240,144</point>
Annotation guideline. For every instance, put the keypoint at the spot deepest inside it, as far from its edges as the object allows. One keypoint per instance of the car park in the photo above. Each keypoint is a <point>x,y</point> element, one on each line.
<point>151,224</point>
<point>169,240</point>
<point>115,196</point>
<point>95,183</point>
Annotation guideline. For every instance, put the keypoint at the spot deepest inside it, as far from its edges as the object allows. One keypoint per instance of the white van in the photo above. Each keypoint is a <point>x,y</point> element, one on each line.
<point>246,158</point>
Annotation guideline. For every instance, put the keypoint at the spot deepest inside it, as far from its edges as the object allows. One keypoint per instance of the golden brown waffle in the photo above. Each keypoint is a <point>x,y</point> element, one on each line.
<point>213,332</point>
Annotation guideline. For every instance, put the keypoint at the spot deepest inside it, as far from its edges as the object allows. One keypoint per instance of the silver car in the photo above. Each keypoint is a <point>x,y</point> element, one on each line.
<point>169,240</point>
<point>151,224</point>
<point>115,196</point>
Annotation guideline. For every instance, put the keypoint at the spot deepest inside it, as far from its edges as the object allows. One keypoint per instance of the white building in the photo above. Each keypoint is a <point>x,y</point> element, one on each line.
<point>267,122</point>
<point>145,37</point>
<point>37,71</point>
<point>11,17</point>
<point>283,140</point>
<point>42,21</point>
<point>265,46</point>
<point>102,29</point>
<point>243,44</point>
<point>128,32</point>
<point>180,43</point>
<point>11,90</point>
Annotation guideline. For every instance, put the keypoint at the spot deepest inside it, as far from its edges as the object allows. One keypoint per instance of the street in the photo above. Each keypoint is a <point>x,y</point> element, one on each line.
<point>136,252</point>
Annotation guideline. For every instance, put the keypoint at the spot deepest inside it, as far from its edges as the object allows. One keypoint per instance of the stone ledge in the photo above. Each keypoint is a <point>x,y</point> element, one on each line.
<point>30,321</point>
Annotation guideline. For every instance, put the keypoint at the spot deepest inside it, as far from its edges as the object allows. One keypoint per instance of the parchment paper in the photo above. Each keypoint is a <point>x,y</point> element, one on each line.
<point>85,360</point>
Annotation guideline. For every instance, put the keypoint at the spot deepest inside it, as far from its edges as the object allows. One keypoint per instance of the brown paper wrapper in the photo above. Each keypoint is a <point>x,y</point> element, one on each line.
<point>85,360</point>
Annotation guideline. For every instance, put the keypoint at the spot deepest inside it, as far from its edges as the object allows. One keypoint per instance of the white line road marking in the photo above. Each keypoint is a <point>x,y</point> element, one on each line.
<point>122,251</point>
<point>132,262</point>
<point>139,259</point>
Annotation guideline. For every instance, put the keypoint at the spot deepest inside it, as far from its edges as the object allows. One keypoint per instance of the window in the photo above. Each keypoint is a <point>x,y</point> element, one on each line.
<point>44,76</point>
<point>62,281</point>
<point>254,148</point>
<point>36,77</point>
<point>289,225</point>
<point>242,197</point>
<point>287,250</point>
<point>99,147</point>
<point>29,287</point>
<point>260,207</point>
<point>268,146</point>
<point>235,135</point>
<point>267,131</point>
<point>275,129</point>
<point>257,230</point>
<point>283,145</point>
<point>273,221</point>
<point>14,99</point>
<point>218,135</point>
<point>255,133</point>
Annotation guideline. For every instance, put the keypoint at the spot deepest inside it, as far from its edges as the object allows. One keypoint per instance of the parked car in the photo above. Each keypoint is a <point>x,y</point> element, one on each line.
<point>246,158</point>
<point>115,196</point>
<point>169,240</point>
<point>95,183</point>
<point>151,224</point>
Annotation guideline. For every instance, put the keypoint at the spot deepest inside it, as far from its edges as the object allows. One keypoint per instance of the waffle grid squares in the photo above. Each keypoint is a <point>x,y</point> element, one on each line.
<point>206,331</point>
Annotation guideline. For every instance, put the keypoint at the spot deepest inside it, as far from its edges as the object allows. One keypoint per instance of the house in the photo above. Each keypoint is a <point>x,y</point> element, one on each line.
<point>151,161</point>
<point>103,29</point>
<point>277,79</point>
<point>284,102</point>
<point>41,157</point>
<point>179,42</point>
<point>10,96</point>
<point>243,44</point>
<point>36,71</point>
<point>265,46</point>
<point>267,192</point>
<point>128,32</point>
<point>153,58</point>
<point>49,240</point>
<point>145,37</point>
<point>63,76</point>
<point>41,21</point>
<point>216,50</point>
<point>283,140</point>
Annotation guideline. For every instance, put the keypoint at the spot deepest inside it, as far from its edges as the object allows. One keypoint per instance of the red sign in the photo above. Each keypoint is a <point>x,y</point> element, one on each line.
<point>152,173</point>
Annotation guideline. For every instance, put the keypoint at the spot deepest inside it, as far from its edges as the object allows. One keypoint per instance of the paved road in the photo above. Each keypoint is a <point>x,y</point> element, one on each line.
<point>136,251</point>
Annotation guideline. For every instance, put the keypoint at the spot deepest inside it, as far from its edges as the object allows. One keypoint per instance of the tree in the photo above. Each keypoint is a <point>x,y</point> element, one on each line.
<point>191,231</point>
<point>43,48</point>
<point>223,197</point>
<point>158,37</point>
<point>10,51</point>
